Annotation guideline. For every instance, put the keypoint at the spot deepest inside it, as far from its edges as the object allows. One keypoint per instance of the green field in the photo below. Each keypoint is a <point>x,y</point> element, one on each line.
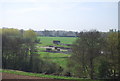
<point>58,58</point>
<point>44,54</point>
<point>49,40</point>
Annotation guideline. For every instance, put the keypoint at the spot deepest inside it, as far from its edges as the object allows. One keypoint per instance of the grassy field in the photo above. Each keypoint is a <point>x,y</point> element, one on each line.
<point>45,76</point>
<point>44,54</point>
<point>49,40</point>
<point>59,58</point>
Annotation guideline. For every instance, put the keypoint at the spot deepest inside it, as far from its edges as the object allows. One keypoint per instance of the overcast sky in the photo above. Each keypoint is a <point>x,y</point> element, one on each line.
<point>70,15</point>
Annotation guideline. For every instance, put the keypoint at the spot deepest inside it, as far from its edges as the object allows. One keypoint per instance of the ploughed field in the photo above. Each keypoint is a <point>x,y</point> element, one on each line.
<point>15,74</point>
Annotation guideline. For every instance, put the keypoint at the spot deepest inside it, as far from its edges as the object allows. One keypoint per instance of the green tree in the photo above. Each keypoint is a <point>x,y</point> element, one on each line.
<point>104,69</point>
<point>18,52</point>
<point>118,54</point>
<point>30,35</point>
<point>113,54</point>
<point>86,49</point>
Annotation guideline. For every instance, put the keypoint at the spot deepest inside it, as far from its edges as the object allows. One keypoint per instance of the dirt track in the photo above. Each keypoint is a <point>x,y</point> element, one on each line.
<point>14,77</point>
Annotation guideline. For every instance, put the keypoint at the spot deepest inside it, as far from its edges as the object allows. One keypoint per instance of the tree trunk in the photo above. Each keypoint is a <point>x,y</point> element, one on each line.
<point>91,69</point>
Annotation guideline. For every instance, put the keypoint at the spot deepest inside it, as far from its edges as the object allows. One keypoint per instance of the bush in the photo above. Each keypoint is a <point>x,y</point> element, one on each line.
<point>37,41</point>
<point>42,66</point>
<point>104,70</point>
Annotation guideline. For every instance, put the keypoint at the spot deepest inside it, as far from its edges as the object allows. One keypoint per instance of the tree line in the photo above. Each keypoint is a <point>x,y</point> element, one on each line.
<point>18,52</point>
<point>60,33</point>
<point>96,55</point>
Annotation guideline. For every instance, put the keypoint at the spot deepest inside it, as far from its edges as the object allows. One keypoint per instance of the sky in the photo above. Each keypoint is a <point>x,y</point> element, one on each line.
<point>69,15</point>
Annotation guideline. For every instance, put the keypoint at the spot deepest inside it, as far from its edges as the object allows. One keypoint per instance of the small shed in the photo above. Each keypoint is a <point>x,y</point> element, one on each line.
<point>56,42</point>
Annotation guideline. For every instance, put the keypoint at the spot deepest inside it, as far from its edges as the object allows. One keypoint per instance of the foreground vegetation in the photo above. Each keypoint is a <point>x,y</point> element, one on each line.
<point>95,55</point>
<point>18,51</point>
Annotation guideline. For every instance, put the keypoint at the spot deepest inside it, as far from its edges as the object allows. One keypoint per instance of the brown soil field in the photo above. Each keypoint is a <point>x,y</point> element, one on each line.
<point>14,77</point>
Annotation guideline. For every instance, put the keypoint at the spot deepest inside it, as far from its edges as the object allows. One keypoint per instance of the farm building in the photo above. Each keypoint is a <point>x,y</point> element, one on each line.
<point>56,42</point>
<point>48,49</point>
